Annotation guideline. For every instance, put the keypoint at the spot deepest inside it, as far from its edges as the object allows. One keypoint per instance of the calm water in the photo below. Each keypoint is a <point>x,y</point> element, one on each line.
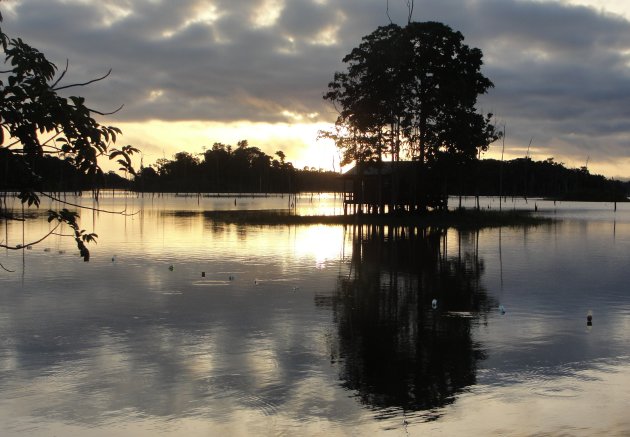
<point>316,330</point>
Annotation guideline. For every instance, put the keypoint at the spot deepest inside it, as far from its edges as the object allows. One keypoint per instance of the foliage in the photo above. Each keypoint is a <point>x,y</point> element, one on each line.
<point>37,122</point>
<point>411,91</point>
<point>524,177</point>
<point>223,168</point>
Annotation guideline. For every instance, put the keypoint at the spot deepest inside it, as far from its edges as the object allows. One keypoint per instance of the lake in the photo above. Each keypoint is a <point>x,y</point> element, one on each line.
<point>180,325</point>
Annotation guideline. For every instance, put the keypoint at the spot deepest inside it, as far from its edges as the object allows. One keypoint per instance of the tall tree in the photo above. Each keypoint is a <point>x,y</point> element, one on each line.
<point>368,98</point>
<point>411,90</point>
<point>36,122</point>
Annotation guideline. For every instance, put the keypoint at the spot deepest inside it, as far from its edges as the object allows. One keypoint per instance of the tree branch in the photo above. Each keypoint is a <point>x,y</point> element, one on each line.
<point>84,83</point>
<point>19,246</point>
<point>56,199</point>
<point>8,146</point>
<point>5,269</point>
<point>17,141</point>
<point>106,113</point>
<point>57,234</point>
<point>63,73</point>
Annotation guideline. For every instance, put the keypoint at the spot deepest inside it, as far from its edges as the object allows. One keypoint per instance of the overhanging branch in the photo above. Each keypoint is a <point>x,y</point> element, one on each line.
<point>63,73</point>
<point>20,246</point>
<point>98,79</point>
<point>106,113</point>
<point>5,269</point>
<point>65,202</point>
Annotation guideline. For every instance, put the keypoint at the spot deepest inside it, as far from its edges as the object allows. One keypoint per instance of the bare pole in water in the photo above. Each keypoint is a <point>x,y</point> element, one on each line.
<point>526,165</point>
<point>501,170</point>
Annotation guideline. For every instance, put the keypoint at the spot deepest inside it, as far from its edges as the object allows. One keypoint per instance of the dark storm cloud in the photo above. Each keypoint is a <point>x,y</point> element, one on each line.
<point>561,73</point>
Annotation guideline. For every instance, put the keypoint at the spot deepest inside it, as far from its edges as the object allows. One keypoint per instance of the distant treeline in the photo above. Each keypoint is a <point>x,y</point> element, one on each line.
<point>244,168</point>
<point>224,169</point>
<point>55,175</point>
<point>524,177</point>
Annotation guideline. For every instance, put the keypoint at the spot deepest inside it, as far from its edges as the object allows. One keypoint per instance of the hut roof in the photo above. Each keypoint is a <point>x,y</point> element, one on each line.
<point>382,168</point>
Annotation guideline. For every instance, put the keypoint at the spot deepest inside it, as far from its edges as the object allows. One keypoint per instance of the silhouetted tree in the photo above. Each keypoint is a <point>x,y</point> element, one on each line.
<point>280,154</point>
<point>37,122</point>
<point>524,177</point>
<point>411,89</point>
<point>226,169</point>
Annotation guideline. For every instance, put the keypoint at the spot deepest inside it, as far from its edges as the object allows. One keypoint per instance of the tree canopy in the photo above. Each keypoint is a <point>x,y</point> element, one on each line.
<point>411,92</point>
<point>37,122</point>
<point>223,168</point>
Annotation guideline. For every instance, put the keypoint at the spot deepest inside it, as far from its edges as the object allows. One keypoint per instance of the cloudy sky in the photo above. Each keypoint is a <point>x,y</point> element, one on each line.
<point>194,72</point>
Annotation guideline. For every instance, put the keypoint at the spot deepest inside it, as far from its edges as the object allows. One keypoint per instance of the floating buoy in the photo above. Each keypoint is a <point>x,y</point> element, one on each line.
<point>255,281</point>
<point>501,309</point>
<point>231,278</point>
<point>434,303</point>
<point>589,319</point>
<point>203,274</point>
<point>171,268</point>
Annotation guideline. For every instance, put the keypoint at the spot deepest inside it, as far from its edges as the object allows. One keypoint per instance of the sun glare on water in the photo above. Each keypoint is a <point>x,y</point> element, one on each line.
<point>322,243</point>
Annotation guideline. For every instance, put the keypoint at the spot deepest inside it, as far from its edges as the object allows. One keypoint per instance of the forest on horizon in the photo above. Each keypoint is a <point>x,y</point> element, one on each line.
<point>247,169</point>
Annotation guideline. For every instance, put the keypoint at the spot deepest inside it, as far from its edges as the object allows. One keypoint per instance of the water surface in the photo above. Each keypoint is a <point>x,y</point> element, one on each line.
<point>182,326</point>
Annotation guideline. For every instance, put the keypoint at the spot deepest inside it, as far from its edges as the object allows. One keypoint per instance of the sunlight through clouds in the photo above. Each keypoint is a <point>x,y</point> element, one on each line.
<point>155,95</point>
<point>267,13</point>
<point>327,37</point>
<point>205,14</point>
<point>621,7</point>
<point>114,12</point>
<point>159,139</point>
<point>559,66</point>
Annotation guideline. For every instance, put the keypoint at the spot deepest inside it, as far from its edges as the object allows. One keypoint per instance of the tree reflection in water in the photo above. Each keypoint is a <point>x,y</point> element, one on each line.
<point>393,349</point>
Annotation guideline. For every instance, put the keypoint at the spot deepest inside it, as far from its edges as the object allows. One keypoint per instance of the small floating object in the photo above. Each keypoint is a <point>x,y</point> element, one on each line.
<point>203,274</point>
<point>434,303</point>
<point>255,281</point>
<point>501,309</point>
<point>589,319</point>
<point>29,247</point>
<point>296,288</point>
<point>61,252</point>
<point>47,249</point>
<point>171,268</point>
<point>231,278</point>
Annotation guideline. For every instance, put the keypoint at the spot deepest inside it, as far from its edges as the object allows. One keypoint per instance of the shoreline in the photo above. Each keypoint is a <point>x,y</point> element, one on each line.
<point>460,218</point>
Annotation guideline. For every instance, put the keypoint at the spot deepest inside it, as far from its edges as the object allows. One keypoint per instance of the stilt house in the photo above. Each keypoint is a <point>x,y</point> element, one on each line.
<point>389,187</point>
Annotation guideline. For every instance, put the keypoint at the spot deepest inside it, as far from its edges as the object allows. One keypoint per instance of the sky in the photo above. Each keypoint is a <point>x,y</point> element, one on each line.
<point>194,72</point>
